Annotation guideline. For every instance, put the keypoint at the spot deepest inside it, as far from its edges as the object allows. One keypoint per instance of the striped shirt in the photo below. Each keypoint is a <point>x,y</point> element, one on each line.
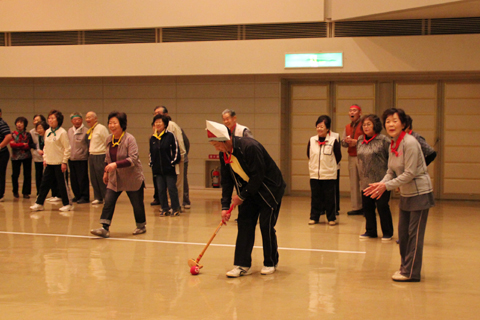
<point>4,131</point>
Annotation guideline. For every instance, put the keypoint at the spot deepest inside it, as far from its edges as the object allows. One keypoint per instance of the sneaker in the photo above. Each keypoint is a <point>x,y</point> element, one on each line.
<point>26,196</point>
<point>310,222</point>
<point>37,207</point>
<point>238,272</point>
<point>268,270</point>
<point>82,201</point>
<point>187,206</point>
<point>366,236</point>
<point>97,201</point>
<point>175,213</point>
<point>100,232</point>
<point>2,199</point>
<point>66,208</point>
<point>139,230</point>
<point>386,238</point>
<point>155,203</point>
<point>16,195</point>
<point>397,276</point>
<point>54,199</point>
<point>332,223</point>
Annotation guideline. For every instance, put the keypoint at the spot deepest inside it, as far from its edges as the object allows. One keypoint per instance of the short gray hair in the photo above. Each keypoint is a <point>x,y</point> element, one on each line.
<point>230,111</point>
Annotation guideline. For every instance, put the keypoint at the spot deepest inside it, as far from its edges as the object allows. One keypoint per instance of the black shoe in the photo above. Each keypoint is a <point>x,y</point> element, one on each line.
<point>83,201</point>
<point>355,212</point>
<point>16,195</point>
<point>337,213</point>
<point>155,203</point>
<point>74,199</point>
<point>26,196</point>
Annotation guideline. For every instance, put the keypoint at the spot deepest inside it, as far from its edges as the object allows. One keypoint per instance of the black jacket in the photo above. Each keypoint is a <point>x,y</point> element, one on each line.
<point>164,154</point>
<point>265,178</point>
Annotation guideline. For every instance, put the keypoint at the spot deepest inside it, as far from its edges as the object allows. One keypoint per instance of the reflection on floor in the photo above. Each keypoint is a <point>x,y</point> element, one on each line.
<point>52,268</point>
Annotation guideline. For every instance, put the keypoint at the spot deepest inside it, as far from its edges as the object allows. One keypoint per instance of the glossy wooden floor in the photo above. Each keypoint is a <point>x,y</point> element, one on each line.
<point>51,268</point>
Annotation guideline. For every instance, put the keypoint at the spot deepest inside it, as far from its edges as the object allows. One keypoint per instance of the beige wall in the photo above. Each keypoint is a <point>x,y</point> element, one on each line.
<point>190,101</point>
<point>361,55</point>
<point>349,9</point>
<point>461,173</point>
<point>34,15</point>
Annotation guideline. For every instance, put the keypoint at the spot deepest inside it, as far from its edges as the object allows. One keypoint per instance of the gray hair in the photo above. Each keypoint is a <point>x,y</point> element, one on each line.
<point>76,114</point>
<point>230,111</point>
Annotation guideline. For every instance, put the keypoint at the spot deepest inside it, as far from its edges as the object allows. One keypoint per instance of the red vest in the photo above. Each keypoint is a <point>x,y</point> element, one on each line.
<point>352,151</point>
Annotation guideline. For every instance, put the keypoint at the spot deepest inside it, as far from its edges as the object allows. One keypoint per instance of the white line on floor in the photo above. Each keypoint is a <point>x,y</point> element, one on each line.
<point>168,242</point>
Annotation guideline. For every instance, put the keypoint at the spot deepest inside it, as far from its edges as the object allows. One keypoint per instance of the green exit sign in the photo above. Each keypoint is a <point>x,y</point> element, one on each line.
<point>314,60</point>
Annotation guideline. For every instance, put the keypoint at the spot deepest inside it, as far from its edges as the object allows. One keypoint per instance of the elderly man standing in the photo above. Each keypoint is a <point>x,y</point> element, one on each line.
<point>230,120</point>
<point>177,132</point>
<point>352,131</point>
<point>5,137</point>
<point>78,161</point>
<point>96,137</point>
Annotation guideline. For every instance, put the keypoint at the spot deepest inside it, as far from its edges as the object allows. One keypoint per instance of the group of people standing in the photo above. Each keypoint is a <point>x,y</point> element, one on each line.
<point>377,165</point>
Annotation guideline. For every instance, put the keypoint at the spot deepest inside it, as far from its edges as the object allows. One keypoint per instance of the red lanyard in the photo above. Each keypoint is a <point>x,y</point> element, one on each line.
<point>368,141</point>
<point>227,159</point>
<point>400,138</point>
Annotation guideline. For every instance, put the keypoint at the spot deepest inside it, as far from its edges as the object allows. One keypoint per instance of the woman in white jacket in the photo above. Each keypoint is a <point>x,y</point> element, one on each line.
<point>324,154</point>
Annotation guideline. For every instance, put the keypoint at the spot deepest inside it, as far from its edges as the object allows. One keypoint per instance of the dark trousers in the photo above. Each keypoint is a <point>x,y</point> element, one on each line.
<point>136,199</point>
<point>383,208</point>
<point>411,235</point>
<point>4,156</point>
<point>54,173</point>
<point>97,167</point>
<point>38,175</point>
<point>79,179</point>
<point>164,182</point>
<point>337,193</point>
<point>155,188</point>
<point>323,199</point>
<point>249,212</point>
<point>27,175</point>
<point>186,191</point>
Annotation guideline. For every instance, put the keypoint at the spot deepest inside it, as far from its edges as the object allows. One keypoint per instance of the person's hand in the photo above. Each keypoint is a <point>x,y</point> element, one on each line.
<point>64,167</point>
<point>40,152</point>
<point>45,164</point>
<point>226,216</point>
<point>105,178</point>
<point>375,190</point>
<point>111,167</point>
<point>236,201</point>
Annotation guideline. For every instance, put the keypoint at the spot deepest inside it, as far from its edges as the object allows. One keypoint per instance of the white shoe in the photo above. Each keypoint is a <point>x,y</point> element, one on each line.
<point>238,272</point>
<point>268,270</point>
<point>54,199</point>
<point>66,208</point>
<point>310,222</point>
<point>97,201</point>
<point>2,199</point>
<point>37,207</point>
<point>187,206</point>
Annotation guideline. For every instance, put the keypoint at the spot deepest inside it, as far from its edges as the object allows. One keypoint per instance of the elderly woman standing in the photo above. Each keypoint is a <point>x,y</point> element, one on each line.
<point>21,144</point>
<point>164,155</point>
<point>408,171</point>
<point>324,154</point>
<point>372,154</point>
<point>123,172</point>
<point>55,154</point>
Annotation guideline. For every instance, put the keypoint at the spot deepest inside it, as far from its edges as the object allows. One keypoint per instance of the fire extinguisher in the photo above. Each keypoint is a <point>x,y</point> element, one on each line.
<point>215,178</point>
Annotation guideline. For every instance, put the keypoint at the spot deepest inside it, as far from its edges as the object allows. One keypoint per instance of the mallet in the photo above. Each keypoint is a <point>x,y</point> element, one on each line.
<point>194,263</point>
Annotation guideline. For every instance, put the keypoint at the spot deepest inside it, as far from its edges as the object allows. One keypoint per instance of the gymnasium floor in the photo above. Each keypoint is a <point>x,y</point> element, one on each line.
<point>51,268</point>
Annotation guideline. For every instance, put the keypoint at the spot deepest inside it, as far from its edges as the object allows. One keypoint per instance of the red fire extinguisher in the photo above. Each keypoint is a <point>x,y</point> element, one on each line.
<point>215,178</point>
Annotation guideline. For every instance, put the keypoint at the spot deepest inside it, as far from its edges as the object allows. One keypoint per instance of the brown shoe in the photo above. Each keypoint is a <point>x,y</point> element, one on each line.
<point>139,230</point>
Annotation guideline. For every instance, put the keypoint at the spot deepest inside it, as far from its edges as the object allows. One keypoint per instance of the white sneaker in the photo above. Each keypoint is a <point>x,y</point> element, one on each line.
<point>37,207</point>
<point>97,201</point>
<point>238,272</point>
<point>187,206</point>
<point>66,208</point>
<point>54,199</point>
<point>268,270</point>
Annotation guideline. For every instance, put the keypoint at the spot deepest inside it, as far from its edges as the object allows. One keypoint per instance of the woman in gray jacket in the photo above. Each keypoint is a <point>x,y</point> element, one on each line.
<point>406,170</point>
<point>123,172</point>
